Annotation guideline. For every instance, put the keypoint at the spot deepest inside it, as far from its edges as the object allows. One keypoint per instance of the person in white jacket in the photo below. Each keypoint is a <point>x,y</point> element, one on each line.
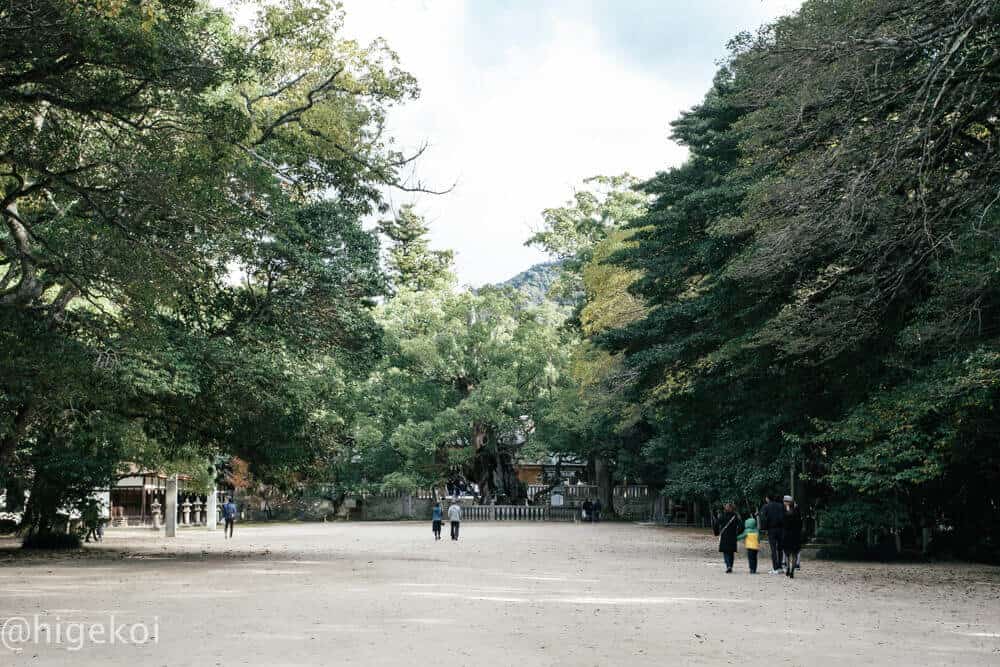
<point>455,516</point>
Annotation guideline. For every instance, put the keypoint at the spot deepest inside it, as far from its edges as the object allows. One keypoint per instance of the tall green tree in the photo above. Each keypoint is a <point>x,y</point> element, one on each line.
<point>821,271</point>
<point>411,264</point>
<point>181,252</point>
<point>457,392</point>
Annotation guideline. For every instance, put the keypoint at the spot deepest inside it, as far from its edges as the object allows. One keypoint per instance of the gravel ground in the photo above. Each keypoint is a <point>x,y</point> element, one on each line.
<point>506,594</point>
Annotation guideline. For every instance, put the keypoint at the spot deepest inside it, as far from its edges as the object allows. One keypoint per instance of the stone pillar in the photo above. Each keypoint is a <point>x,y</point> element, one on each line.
<point>211,509</point>
<point>602,473</point>
<point>171,506</point>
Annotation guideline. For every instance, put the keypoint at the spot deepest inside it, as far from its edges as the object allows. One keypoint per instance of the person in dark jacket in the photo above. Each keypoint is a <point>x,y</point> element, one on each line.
<point>772,519</point>
<point>728,527</point>
<point>229,516</point>
<point>791,540</point>
<point>436,517</point>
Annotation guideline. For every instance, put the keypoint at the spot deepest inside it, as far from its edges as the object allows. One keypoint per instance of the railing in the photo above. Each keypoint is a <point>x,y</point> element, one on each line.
<point>420,494</point>
<point>535,489</point>
<point>579,491</point>
<point>631,491</point>
<point>517,513</point>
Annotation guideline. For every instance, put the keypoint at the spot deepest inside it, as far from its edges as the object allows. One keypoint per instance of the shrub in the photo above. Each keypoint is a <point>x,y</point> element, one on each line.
<point>51,541</point>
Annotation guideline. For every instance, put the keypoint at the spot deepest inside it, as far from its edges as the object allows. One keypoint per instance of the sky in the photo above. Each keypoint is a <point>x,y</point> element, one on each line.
<point>523,99</point>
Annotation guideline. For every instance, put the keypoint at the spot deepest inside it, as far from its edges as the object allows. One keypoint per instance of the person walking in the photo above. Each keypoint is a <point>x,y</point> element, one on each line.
<point>752,542</point>
<point>436,521</point>
<point>772,519</point>
<point>229,516</point>
<point>597,510</point>
<point>792,535</point>
<point>727,527</point>
<point>588,510</point>
<point>455,516</point>
<point>91,520</point>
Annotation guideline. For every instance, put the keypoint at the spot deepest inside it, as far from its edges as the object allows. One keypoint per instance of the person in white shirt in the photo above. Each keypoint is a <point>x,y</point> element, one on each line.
<point>455,516</point>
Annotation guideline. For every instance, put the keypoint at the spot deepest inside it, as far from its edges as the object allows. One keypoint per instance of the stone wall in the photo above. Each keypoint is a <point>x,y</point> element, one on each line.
<point>394,508</point>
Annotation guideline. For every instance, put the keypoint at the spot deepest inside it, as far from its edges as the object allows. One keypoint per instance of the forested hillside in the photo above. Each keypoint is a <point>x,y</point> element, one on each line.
<point>536,283</point>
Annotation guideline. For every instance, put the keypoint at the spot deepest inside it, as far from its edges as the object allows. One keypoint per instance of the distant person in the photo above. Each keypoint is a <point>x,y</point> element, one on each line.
<point>792,535</point>
<point>455,517</point>
<point>597,510</point>
<point>436,521</point>
<point>752,542</point>
<point>229,516</point>
<point>92,521</point>
<point>727,527</point>
<point>772,519</point>
<point>588,508</point>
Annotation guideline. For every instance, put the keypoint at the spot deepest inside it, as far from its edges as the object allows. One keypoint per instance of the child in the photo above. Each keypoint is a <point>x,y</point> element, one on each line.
<point>752,538</point>
<point>436,521</point>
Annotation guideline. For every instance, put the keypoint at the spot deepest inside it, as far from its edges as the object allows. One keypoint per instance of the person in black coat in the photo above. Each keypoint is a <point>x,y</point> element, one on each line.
<point>772,519</point>
<point>728,526</point>
<point>791,540</point>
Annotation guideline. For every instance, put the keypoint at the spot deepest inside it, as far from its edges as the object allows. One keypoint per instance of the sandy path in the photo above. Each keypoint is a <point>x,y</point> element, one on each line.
<point>507,594</point>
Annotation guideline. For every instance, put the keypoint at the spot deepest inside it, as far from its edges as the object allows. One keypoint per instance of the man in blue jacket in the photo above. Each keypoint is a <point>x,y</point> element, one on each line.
<point>229,516</point>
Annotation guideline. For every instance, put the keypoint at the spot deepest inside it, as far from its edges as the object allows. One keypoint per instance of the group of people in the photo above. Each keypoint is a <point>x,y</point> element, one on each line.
<point>782,522</point>
<point>454,516</point>
<point>591,511</point>
<point>93,522</point>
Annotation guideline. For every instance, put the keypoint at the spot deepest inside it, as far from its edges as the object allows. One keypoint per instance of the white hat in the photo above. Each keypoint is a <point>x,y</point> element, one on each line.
<point>788,499</point>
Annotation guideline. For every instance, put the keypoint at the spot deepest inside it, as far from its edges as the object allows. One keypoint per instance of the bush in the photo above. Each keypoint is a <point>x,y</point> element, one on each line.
<point>51,541</point>
<point>8,526</point>
<point>848,521</point>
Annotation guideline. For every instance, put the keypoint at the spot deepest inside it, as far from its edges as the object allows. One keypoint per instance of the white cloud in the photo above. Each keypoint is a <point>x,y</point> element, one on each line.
<point>519,126</point>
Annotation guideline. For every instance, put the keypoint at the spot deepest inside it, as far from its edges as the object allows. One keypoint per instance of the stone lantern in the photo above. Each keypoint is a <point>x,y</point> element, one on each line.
<point>197,511</point>
<point>157,517</point>
<point>186,511</point>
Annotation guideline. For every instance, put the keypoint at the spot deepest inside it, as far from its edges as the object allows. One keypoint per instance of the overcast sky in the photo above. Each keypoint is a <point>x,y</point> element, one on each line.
<point>521,100</point>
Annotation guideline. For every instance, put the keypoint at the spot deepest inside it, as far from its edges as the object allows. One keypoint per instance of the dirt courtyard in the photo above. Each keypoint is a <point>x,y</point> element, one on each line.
<point>506,594</point>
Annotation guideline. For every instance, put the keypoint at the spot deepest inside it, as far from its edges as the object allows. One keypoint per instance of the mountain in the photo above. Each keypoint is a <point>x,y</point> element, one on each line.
<point>535,283</point>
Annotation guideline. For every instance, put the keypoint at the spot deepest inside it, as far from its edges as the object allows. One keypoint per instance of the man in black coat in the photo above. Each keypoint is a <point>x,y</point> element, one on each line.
<point>772,519</point>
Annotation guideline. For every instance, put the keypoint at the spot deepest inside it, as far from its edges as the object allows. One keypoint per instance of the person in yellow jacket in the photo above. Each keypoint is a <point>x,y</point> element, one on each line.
<point>752,537</point>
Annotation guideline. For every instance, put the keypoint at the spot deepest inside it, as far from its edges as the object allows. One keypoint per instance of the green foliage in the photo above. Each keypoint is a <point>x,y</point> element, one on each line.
<point>182,267</point>
<point>850,521</point>
<point>464,373</point>
<point>571,232</point>
<point>412,265</point>
<point>821,273</point>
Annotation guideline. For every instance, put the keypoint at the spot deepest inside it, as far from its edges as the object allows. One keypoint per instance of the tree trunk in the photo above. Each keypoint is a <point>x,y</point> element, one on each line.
<point>493,468</point>
<point>602,475</point>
